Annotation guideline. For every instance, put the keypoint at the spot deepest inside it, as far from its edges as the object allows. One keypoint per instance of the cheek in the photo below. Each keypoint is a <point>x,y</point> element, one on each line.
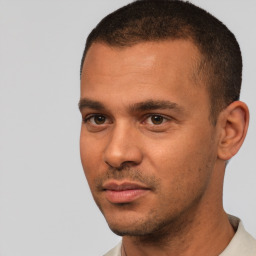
<point>90,153</point>
<point>183,163</point>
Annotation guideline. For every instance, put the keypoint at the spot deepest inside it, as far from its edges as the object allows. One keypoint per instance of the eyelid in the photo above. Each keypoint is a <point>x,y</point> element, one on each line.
<point>166,118</point>
<point>87,118</point>
<point>108,120</point>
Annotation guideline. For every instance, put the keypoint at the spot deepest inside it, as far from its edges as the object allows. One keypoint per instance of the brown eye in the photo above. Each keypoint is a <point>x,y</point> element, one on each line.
<point>156,119</point>
<point>98,119</point>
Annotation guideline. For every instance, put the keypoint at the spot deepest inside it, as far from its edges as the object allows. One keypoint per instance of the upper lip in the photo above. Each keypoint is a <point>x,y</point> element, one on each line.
<point>119,186</point>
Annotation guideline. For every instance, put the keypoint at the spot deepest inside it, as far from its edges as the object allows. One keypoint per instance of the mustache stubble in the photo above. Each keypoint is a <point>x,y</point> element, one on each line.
<point>127,173</point>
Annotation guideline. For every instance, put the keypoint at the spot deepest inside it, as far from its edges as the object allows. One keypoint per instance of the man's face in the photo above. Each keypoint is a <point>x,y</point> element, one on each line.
<point>148,148</point>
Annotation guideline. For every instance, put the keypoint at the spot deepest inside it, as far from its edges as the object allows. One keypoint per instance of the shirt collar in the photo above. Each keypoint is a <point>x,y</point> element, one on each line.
<point>242,242</point>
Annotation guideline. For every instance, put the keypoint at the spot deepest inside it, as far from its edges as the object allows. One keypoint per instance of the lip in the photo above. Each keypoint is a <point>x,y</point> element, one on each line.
<point>124,192</point>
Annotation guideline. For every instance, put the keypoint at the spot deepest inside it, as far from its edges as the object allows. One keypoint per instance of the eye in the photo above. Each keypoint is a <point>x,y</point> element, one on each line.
<point>95,119</point>
<point>155,119</point>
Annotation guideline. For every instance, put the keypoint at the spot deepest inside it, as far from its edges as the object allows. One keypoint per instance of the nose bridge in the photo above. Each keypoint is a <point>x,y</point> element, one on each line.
<point>122,146</point>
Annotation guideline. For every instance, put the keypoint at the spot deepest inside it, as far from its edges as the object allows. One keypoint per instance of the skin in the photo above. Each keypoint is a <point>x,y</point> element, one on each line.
<point>146,120</point>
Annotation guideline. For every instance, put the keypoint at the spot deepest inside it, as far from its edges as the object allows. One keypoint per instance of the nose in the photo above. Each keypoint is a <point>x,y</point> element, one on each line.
<point>123,148</point>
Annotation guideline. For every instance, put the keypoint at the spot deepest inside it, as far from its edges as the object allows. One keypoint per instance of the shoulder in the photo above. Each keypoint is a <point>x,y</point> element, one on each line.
<point>242,243</point>
<point>116,251</point>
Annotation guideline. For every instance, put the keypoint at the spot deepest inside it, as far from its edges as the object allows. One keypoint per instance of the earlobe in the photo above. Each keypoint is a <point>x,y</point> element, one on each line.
<point>233,123</point>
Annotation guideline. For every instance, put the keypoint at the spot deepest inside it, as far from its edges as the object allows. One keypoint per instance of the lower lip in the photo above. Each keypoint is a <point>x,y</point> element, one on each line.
<point>124,196</point>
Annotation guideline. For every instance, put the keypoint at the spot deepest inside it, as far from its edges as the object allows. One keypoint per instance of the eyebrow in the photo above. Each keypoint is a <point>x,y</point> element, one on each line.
<point>155,104</point>
<point>137,107</point>
<point>87,103</point>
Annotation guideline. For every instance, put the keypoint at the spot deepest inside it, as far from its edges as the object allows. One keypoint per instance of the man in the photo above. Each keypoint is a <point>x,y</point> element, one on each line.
<point>160,84</point>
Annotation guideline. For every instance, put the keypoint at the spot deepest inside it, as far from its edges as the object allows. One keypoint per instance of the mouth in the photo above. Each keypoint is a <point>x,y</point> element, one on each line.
<point>124,192</point>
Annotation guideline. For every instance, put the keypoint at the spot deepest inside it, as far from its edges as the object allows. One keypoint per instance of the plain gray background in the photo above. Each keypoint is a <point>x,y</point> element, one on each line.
<point>46,208</point>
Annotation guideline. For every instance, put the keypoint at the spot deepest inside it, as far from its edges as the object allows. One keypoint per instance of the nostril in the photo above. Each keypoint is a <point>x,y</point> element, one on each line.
<point>128,164</point>
<point>123,165</point>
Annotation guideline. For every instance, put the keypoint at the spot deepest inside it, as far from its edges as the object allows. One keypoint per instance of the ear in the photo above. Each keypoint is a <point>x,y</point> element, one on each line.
<point>233,122</point>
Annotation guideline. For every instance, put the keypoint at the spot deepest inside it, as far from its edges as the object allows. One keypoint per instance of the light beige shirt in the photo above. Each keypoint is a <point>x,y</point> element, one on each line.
<point>242,244</point>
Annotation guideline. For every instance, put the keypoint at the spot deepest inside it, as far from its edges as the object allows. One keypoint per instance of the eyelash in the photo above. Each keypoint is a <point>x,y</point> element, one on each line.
<point>164,118</point>
<point>88,117</point>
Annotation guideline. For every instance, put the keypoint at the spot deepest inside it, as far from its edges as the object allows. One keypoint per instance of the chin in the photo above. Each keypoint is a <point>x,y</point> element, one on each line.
<point>127,224</point>
<point>134,230</point>
<point>131,224</point>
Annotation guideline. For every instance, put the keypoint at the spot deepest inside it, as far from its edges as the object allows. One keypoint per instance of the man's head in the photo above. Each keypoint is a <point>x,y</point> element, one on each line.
<point>219,64</point>
<point>152,74</point>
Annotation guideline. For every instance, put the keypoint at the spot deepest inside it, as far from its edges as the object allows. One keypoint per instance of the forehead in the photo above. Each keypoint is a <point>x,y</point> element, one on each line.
<point>142,55</point>
<point>149,70</point>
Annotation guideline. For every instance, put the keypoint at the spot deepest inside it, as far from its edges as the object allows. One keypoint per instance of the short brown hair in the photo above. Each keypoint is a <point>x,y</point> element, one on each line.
<point>156,20</point>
